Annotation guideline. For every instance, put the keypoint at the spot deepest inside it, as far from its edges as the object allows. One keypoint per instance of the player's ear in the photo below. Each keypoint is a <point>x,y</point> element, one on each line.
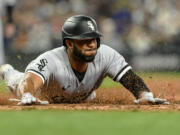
<point>69,43</point>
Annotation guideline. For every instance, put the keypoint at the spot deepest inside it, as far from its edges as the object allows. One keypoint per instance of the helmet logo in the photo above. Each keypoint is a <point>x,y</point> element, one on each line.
<point>90,25</point>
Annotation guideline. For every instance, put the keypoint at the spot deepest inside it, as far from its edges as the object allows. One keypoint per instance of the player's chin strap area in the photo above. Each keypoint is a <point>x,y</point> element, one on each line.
<point>28,99</point>
<point>148,96</point>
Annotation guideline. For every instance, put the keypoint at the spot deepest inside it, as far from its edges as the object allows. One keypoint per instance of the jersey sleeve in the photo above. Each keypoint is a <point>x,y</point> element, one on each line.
<point>115,66</point>
<point>43,66</point>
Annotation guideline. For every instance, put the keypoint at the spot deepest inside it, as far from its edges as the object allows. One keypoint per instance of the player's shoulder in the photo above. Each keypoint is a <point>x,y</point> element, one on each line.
<point>52,57</point>
<point>105,50</point>
<point>56,52</point>
<point>58,49</point>
<point>104,47</point>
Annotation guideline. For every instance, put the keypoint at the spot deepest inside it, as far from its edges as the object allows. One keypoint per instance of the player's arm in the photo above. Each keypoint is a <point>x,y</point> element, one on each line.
<point>139,89</point>
<point>27,89</point>
<point>31,84</point>
<point>120,71</point>
<point>134,84</point>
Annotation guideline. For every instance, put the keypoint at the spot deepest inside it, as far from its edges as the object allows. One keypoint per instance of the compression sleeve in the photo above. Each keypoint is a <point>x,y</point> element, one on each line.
<point>133,83</point>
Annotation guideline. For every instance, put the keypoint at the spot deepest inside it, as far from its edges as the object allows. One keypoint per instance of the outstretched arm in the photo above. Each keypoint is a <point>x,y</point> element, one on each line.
<point>134,84</point>
<point>31,84</point>
<point>139,89</point>
<point>27,89</point>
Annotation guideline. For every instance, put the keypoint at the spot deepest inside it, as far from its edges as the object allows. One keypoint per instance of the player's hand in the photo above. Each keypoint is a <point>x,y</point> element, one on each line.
<point>147,97</point>
<point>28,99</point>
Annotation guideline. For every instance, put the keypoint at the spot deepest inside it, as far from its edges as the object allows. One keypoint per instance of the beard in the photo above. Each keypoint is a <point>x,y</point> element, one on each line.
<point>82,57</point>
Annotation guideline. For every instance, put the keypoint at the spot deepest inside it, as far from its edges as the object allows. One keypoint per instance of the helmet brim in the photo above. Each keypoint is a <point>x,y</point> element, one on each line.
<point>86,36</point>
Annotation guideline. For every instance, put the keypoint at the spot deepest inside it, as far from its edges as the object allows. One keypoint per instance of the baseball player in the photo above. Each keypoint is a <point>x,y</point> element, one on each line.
<point>73,72</point>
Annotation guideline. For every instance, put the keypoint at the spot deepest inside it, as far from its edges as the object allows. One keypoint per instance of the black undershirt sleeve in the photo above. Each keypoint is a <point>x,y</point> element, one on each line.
<point>133,83</point>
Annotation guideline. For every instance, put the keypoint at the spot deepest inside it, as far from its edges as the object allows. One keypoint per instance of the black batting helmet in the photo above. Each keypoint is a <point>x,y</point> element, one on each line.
<point>80,27</point>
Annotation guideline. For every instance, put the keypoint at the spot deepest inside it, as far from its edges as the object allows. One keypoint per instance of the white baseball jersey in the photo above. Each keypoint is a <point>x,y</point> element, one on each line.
<point>55,63</point>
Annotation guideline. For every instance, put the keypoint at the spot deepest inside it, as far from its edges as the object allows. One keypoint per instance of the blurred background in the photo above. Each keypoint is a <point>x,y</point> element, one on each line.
<point>145,32</point>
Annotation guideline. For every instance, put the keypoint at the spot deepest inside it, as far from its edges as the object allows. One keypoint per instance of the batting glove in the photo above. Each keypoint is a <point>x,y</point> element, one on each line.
<point>148,97</point>
<point>28,99</point>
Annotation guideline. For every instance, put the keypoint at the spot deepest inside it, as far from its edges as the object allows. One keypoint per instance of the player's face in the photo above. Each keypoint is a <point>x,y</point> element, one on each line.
<point>85,49</point>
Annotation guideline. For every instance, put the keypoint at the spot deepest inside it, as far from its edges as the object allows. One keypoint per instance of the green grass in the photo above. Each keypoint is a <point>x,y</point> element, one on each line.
<point>2,87</point>
<point>163,75</point>
<point>109,83</point>
<point>89,123</point>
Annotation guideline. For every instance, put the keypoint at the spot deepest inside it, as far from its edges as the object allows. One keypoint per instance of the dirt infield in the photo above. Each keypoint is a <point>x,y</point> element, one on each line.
<point>113,99</point>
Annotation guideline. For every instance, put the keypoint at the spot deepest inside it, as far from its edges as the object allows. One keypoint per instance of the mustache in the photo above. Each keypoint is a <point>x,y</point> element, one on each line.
<point>91,49</point>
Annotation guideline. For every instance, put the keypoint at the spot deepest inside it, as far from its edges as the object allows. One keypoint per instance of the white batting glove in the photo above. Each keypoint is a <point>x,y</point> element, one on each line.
<point>28,99</point>
<point>148,97</point>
